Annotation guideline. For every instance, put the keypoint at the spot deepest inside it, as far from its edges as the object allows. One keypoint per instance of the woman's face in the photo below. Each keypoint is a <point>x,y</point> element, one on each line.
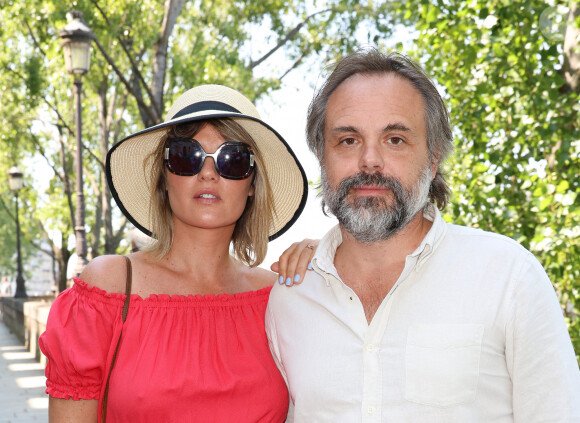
<point>206,200</point>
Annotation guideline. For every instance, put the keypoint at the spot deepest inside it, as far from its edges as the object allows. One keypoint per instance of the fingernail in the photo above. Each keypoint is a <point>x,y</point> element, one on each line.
<point>310,266</point>
<point>296,278</point>
<point>288,282</point>
<point>281,280</point>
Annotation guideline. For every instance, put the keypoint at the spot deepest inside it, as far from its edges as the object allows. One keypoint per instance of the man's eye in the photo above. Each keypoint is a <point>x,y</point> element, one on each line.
<point>395,140</point>
<point>348,141</point>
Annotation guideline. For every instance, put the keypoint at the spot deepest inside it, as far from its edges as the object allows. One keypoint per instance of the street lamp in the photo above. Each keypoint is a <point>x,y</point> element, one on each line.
<point>76,43</point>
<point>16,182</point>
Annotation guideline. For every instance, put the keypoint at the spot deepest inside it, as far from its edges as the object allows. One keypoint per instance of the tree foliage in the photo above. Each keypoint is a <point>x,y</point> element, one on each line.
<point>509,71</point>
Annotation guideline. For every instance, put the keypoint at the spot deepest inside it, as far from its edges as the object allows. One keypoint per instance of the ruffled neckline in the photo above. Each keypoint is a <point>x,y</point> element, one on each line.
<point>166,298</point>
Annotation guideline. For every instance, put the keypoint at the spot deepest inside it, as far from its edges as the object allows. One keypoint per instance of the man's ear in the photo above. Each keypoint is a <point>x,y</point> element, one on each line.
<point>434,167</point>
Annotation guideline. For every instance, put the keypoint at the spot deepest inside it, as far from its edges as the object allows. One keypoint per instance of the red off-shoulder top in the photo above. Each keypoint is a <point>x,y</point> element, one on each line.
<point>181,358</point>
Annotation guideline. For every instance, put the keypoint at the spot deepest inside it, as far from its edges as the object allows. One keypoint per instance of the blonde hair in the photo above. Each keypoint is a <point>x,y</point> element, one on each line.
<point>250,236</point>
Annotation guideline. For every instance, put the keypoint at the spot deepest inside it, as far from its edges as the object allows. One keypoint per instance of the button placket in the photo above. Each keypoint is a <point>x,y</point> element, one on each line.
<point>373,376</point>
<point>373,369</point>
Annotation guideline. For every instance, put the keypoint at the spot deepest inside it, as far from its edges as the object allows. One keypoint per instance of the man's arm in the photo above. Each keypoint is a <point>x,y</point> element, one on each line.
<point>539,353</point>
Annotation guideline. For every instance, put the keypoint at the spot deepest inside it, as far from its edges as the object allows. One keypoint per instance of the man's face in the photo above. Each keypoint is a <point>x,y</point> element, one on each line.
<point>376,172</point>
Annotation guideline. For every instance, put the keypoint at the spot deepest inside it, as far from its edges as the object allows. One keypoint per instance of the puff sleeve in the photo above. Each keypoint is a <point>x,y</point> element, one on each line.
<point>83,323</point>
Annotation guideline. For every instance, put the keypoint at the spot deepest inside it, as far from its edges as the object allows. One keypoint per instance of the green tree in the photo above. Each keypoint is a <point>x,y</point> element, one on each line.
<point>146,53</point>
<point>510,73</point>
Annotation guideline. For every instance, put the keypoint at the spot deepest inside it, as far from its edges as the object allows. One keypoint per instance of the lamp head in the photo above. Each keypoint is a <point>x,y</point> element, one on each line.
<point>15,178</point>
<point>76,43</point>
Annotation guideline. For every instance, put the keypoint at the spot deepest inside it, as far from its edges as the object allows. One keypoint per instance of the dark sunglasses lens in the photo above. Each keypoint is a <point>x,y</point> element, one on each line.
<point>234,161</point>
<point>185,157</point>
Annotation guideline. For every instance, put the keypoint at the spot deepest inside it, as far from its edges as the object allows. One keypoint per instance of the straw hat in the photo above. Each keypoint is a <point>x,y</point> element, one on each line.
<point>132,184</point>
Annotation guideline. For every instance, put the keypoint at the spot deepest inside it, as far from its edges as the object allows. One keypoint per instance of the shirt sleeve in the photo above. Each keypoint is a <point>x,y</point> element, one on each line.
<point>81,326</point>
<point>539,353</point>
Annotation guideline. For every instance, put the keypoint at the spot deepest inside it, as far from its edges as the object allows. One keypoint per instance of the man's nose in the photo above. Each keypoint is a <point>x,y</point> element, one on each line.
<point>371,159</point>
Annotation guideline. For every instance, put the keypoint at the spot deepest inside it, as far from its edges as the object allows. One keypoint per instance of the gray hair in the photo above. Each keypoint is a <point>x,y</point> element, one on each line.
<point>372,62</point>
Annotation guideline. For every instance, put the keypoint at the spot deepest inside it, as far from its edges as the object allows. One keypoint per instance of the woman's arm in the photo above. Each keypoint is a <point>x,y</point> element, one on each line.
<point>71,411</point>
<point>67,342</point>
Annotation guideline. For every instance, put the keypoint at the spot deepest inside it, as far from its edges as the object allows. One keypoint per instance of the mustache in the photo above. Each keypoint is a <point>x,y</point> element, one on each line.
<point>362,179</point>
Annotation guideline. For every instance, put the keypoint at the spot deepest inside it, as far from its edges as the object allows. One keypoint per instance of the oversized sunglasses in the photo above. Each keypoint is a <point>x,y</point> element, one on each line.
<point>186,156</point>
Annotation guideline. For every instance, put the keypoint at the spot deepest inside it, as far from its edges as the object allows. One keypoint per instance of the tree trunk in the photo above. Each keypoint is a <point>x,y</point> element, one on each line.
<point>172,10</point>
<point>61,256</point>
<point>571,66</point>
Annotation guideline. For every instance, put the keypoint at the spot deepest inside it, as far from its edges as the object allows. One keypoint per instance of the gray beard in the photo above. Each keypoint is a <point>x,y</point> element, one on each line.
<point>372,219</point>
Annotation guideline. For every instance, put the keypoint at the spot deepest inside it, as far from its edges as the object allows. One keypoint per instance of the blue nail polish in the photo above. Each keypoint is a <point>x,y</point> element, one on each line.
<point>297,278</point>
<point>288,282</point>
<point>281,280</point>
<point>310,266</point>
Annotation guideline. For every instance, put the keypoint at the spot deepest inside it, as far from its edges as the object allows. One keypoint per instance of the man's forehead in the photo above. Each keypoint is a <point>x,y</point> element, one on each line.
<point>384,102</point>
<point>396,126</point>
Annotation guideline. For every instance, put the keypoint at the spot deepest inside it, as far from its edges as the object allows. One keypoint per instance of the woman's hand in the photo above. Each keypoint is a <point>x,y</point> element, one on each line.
<point>293,263</point>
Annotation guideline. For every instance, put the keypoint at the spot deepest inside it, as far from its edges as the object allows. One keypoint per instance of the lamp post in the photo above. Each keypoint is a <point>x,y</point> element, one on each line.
<point>76,42</point>
<point>16,182</point>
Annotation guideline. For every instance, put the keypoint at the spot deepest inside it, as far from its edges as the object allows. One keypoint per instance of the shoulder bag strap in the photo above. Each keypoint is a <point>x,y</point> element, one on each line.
<point>124,315</point>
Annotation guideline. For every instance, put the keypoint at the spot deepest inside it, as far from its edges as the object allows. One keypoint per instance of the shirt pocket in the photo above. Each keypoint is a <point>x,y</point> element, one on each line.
<point>442,363</point>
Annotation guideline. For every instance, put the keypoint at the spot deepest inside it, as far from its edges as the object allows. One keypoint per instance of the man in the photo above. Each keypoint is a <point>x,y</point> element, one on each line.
<point>406,318</point>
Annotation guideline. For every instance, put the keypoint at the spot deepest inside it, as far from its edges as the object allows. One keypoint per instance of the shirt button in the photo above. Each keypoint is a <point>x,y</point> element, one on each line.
<point>370,409</point>
<point>370,347</point>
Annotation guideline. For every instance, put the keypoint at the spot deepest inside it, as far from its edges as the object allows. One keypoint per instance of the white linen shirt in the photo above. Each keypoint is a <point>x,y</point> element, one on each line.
<point>472,331</point>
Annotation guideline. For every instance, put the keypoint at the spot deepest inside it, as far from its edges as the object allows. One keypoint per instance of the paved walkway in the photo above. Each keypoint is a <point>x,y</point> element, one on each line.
<point>22,383</point>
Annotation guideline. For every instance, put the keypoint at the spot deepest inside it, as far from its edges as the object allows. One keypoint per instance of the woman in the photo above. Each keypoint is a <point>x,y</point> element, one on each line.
<point>193,346</point>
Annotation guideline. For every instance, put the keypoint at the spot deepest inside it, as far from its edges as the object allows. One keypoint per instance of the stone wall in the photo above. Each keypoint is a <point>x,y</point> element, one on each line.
<point>26,318</point>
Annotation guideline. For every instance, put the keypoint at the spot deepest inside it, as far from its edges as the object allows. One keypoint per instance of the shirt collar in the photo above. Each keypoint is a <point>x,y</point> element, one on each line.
<point>324,256</point>
<point>323,259</point>
<point>433,237</point>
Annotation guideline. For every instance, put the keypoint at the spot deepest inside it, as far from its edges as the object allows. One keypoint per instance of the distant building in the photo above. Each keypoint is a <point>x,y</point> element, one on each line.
<point>39,274</point>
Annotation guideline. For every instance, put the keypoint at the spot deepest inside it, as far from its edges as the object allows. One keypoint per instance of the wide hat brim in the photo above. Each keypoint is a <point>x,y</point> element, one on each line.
<point>131,181</point>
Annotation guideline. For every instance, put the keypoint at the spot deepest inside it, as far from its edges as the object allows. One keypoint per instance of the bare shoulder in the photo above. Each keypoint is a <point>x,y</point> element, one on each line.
<point>107,273</point>
<point>262,278</point>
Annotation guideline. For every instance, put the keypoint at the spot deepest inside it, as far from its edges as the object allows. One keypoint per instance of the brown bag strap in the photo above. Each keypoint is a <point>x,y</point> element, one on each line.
<point>124,316</point>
